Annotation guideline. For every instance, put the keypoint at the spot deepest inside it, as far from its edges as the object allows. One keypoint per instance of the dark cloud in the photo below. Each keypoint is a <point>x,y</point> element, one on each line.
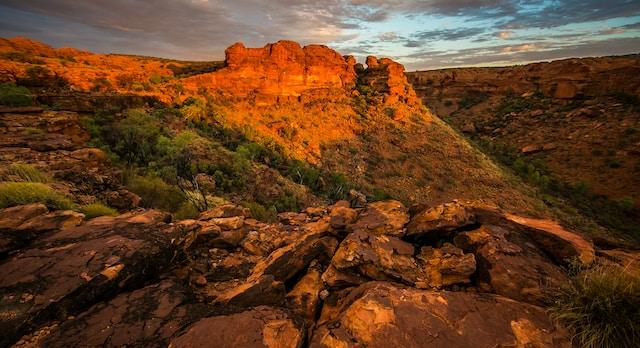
<point>519,54</point>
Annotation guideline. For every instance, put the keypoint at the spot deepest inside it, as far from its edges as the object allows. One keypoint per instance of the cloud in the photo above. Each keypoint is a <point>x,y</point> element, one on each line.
<point>505,34</point>
<point>388,36</point>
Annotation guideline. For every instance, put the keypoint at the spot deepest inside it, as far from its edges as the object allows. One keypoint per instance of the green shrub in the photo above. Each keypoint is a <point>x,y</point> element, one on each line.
<point>155,193</point>
<point>97,209</point>
<point>14,96</point>
<point>379,195</point>
<point>18,193</point>
<point>262,213</point>
<point>25,172</point>
<point>135,138</point>
<point>472,98</point>
<point>601,307</point>
<point>186,211</point>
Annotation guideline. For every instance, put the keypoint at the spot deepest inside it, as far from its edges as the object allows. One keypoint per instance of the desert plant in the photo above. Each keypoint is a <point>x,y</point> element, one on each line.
<point>25,172</point>
<point>186,211</point>
<point>12,95</point>
<point>156,193</point>
<point>18,193</point>
<point>600,307</point>
<point>97,209</point>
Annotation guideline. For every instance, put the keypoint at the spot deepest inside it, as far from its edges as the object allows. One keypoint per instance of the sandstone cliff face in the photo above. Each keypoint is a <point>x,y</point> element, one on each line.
<point>387,77</point>
<point>282,69</point>
<point>563,79</point>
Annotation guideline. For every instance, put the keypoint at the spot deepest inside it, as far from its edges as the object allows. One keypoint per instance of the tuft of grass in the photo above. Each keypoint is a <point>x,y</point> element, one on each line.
<point>25,172</point>
<point>186,211</point>
<point>18,193</point>
<point>97,209</point>
<point>600,307</point>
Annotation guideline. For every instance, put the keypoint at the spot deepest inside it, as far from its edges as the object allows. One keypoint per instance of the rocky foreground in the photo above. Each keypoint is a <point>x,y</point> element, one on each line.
<point>454,275</point>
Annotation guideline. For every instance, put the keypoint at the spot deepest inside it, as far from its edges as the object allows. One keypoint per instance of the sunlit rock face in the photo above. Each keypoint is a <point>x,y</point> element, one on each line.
<point>283,69</point>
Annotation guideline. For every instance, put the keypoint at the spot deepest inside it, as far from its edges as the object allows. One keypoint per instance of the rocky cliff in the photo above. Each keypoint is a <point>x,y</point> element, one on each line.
<point>570,126</point>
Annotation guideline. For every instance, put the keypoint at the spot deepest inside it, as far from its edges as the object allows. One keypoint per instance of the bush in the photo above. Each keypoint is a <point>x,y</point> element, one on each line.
<point>601,307</point>
<point>472,98</point>
<point>14,96</point>
<point>262,213</point>
<point>97,209</point>
<point>136,137</point>
<point>25,172</point>
<point>155,193</point>
<point>186,211</point>
<point>18,193</point>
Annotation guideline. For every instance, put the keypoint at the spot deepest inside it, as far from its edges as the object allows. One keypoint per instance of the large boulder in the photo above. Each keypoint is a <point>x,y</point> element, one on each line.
<point>445,266</point>
<point>510,265</point>
<point>71,269</point>
<point>437,221</point>
<point>377,256</point>
<point>383,217</point>
<point>384,315</point>
<point>260,327</point>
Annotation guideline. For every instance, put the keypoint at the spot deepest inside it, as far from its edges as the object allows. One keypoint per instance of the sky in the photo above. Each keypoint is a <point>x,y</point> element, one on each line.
<point>421,34</point>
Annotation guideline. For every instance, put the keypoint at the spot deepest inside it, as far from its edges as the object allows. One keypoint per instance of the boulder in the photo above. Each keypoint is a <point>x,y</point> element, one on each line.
<point>69,270</point>
<point>378,257</point>
<point>383,217</point>
<point>286,262</point>
<point>510,265</point>
<point>560,243</point>
<point>260,327</point>
<point>433,222</point>
<point>263,290</point>
<point>304,299</point>
<point>225,211</point>
<point>445,266</point>
<point>384,315</point>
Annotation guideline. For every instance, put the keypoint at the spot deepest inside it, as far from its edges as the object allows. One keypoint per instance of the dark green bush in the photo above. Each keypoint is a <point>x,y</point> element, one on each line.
<point>472,98</point>
<point>14,96</point>
<point>156,193</point>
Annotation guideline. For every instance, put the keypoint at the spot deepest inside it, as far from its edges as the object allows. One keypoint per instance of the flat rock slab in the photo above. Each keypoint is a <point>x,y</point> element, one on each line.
<point>147,317</point>
<point>260,327</point>
<point>74,268</point>
<point>383,315</point>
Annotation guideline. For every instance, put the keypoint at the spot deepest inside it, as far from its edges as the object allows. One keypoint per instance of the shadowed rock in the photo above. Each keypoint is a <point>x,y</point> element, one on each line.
<point>383,315</point>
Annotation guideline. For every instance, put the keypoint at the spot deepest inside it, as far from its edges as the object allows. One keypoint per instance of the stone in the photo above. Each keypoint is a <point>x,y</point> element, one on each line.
<point>148,317</point>
<point>69,270</point>
<point>122,200</point>
<point>341,217</point>
<point>263,290</point>
<point>384,315</point>
<point>444,218</point>
<point>260,327</point>
<point>286,262</point>
<point>511,265</point>
<point>445,266</point>
<point>228,223</point>
<point>378,257</point>
<point>532,148</point>
<point>383,217</point>
<point>304,298</point>
<point>225,211</point>
<point>31,222</point>
<point>561,244</point>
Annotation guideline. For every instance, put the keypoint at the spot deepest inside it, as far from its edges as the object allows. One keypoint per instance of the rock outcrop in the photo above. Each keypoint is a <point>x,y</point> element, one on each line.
<point>282,70</point>
<point>331,277</point>
<point>384,315</point>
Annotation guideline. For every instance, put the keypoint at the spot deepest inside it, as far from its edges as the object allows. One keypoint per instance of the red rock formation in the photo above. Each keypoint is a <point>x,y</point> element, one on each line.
<point>282,69</point>
<point>387,77</point>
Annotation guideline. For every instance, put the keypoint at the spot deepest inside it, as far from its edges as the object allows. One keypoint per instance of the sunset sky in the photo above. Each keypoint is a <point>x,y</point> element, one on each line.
<point>420,34</point>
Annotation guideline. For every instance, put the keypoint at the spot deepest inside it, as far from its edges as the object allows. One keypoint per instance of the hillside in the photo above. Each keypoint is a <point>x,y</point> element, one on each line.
<point>286,197</point>
<point>572,123</point>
